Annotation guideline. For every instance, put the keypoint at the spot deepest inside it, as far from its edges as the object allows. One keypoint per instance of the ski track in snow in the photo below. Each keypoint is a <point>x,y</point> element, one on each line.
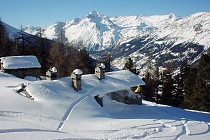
<point>69,111</point>
<point>183,123</point>
<point>204,132</point>
<point>71,108</point>
<point>79,100</point>
<point>184,130</point>
<point>136,132</point>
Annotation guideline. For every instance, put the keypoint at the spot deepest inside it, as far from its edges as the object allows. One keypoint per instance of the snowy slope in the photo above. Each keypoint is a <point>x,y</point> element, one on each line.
<point>194,28</point>
<point>82,118</point>
<point>183,40</point>
<point>12,32</point>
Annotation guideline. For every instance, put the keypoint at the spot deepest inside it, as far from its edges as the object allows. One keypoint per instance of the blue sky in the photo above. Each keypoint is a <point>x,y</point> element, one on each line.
<point>46,12</point>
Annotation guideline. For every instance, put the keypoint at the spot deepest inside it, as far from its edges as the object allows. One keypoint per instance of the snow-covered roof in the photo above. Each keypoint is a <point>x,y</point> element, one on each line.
<point>17,62</point>
<point>78,72</point>
<point>114,81</point>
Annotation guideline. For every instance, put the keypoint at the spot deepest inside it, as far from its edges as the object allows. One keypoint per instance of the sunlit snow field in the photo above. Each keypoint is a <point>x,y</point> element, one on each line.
<point>59,112</point>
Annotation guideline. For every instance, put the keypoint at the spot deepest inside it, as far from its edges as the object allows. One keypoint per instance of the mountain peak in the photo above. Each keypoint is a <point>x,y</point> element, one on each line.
<point>94,14</point>
<point>172,16</point>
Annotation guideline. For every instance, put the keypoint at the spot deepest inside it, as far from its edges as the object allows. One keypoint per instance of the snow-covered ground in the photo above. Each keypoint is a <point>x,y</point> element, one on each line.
<point>59,112</point>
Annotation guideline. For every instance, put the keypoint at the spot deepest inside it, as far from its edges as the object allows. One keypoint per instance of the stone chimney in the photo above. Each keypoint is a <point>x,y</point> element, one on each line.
<point>51,74</point>
<point>100,71</point>
<point>76,79</point>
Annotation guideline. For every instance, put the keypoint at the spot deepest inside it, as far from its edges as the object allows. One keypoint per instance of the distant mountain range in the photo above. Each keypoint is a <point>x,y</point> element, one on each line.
<point>99,32</point>
<point>158,39</point>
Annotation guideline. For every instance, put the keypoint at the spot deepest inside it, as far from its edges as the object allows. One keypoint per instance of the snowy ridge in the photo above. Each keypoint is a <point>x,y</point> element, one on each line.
<point>11,30</point>
<point>194,28</point>
<point>31,30</point>
<point>142,21</point>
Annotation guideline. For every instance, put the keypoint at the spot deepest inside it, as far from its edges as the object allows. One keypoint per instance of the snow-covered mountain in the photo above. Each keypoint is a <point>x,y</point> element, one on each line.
<point>157,39</point>
<point>193,29</point>
<point>183,40</point>
<point>99,32</point>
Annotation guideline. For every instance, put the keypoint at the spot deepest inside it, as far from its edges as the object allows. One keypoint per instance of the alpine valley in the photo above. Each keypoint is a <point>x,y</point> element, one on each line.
<point>156,39</point>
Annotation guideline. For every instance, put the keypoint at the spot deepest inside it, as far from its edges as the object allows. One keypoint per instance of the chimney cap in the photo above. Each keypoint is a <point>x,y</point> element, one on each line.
<point>101,65</point>
<point>77,72</point>
<point>54,70</point>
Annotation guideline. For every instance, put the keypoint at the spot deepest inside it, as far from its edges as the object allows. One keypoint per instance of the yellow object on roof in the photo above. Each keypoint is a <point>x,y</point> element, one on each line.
<point>138,89</point>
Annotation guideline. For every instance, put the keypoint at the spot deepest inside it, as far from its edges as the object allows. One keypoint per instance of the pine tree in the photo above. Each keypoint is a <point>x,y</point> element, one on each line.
<point>168,88</point>
<point>184,70</point>
<point>129,65</point>
<point>188,88</point>
<point>151,79</point>
<point>197,86</point>
<point>177,93</point>
<point>202,84</point>
<point>167,85</point>
<point>158,84</point>
<point>149,88</point>
<point>199,97</point>
<point>179,81</point>
<point>3,40</point>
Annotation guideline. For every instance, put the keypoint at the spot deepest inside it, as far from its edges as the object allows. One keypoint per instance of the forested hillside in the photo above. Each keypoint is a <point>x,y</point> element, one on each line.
<point>49,53</point>
<point>186,87</point>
